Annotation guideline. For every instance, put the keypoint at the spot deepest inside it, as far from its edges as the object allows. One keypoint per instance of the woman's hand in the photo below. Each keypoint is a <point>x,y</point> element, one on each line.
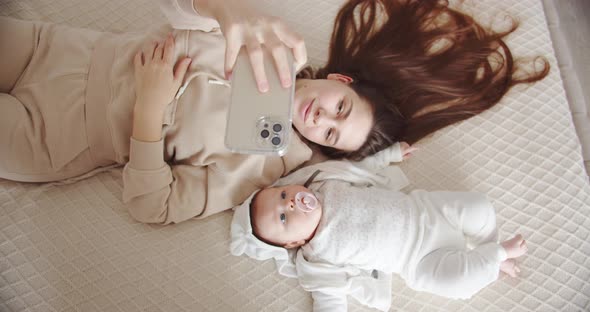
<point>407,150</point>
<point>157,80</point>
<point>244,27</point>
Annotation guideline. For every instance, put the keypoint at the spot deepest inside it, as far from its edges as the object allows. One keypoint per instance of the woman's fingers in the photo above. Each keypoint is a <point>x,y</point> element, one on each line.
<point>152,55</point>
<point>294,41</point>
<point>138,60</point>
<point>276,37</point>
<point>257,61</point>
<point>159,51</point>
<point>168,53</point>
<point>181,69</point>
<point>279,53</point>
<point>232,49</point>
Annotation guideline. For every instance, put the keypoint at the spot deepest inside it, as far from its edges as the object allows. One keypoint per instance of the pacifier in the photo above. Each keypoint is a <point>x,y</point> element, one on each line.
<point>305,201</point>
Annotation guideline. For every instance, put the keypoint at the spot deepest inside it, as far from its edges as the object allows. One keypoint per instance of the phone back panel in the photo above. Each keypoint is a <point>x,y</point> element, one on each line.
<point>259,123</point>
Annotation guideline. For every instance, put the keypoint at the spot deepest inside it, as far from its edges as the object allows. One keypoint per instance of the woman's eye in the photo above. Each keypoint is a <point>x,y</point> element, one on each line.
<point>283,194</point>
<point>283,218</point>
<point>340,107</point>
<point>329,133</point>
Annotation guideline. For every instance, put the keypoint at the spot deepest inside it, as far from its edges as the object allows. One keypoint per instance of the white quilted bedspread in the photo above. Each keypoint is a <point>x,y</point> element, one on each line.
<point>75,248</point>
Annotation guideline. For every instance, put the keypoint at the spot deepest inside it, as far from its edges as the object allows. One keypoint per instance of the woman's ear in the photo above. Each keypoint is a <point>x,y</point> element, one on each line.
<point>294,244</point>
<point>340,77</point>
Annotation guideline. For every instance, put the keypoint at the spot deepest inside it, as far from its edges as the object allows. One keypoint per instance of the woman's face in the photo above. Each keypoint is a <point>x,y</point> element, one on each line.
<point>330,113</point>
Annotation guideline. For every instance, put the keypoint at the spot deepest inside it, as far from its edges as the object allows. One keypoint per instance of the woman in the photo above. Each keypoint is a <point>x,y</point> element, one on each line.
<point>77,100</point>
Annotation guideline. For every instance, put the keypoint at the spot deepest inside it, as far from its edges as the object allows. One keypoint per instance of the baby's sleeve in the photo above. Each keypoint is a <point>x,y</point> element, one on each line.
<point>383,158</point>
<point>181,14</point>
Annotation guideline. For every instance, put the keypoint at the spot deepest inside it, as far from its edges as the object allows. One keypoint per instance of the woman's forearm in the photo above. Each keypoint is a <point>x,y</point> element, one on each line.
<point>147,125</point>
<point>222,10</point>
<point>204,7</point>
<point>209,8</point>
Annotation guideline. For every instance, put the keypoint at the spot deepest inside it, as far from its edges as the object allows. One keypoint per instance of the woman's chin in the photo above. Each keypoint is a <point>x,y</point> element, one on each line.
<point>296,126</point>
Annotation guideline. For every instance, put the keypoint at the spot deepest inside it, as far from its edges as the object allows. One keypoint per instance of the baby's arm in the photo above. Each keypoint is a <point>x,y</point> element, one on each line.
<point>395,153</point>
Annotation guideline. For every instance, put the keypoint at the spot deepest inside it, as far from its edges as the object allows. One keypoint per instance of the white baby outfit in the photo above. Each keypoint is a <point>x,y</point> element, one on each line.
<point>349,234</point>
<point>370,230</point>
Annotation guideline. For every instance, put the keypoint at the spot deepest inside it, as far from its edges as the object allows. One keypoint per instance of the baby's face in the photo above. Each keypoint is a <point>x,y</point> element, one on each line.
<point>279,220</point>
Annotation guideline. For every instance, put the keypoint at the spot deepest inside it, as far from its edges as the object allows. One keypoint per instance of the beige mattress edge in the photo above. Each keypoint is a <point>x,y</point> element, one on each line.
<point>569,27</point>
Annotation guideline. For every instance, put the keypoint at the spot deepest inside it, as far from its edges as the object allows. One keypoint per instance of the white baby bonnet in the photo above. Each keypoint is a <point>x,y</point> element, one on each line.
<point>373,170</point>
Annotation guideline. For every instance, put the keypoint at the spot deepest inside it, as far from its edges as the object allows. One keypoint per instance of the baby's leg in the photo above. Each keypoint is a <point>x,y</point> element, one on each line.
<point>456,273</point>
<point>470,213</point>
<point>17,44</point>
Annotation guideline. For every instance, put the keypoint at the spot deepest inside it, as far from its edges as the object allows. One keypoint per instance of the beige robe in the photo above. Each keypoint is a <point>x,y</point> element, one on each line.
<point>84,120</point>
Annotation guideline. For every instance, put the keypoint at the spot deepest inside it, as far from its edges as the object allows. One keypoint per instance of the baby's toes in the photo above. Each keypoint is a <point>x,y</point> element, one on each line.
<point>524,246</point>
<point>508,267</point>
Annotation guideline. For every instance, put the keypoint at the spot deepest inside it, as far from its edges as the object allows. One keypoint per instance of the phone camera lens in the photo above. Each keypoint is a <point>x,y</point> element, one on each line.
<point>277,128</point>
<point>276,141</point>
<point>264,133</point>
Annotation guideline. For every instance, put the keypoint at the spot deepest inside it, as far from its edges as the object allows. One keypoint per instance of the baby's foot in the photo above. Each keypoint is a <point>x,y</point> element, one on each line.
<point>515,247</point>
<point>509,267</point>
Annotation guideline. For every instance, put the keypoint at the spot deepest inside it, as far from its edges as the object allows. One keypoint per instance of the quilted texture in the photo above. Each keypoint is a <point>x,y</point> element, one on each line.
<point>75,248</point>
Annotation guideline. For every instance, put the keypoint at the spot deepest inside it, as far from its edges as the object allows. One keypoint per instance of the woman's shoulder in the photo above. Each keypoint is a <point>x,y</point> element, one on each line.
<point>298,153</point>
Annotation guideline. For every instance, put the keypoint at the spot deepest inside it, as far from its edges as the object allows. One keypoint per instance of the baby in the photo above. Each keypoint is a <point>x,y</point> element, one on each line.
<point>439,242</point>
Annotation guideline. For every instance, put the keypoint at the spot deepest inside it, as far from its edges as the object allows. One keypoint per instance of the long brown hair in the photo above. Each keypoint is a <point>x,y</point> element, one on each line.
<point>421,65</point>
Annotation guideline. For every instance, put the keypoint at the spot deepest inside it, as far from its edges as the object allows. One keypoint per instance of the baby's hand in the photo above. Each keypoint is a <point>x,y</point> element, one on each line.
<point>407,150</point>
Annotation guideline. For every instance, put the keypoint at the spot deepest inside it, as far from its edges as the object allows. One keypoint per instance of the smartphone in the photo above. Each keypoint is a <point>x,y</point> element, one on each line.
<point>259,123</point>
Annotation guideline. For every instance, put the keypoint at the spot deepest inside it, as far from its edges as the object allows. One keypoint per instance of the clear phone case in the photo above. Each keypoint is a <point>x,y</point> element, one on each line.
<point>259,123</point>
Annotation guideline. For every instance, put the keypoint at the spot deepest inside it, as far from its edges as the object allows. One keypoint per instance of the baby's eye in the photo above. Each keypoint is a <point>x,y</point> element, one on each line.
<point>283,194</point>
<point>283,218</point>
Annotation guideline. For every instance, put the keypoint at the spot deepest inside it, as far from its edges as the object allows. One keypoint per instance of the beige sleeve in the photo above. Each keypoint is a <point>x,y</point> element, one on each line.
<point>182,15</point>
<point>156,192</point>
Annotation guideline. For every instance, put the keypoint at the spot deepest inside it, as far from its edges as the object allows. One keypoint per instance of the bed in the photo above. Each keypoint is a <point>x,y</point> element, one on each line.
<point>74,247</point>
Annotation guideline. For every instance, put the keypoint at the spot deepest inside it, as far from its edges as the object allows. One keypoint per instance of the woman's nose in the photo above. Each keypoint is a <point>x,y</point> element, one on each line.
<point>319,117</point>
<point>316,116</point>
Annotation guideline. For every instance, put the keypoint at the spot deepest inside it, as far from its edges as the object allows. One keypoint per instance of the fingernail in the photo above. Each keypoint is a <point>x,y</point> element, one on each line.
<point>228,75</point>
<point>263,87</point>
<point>286,82</point>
